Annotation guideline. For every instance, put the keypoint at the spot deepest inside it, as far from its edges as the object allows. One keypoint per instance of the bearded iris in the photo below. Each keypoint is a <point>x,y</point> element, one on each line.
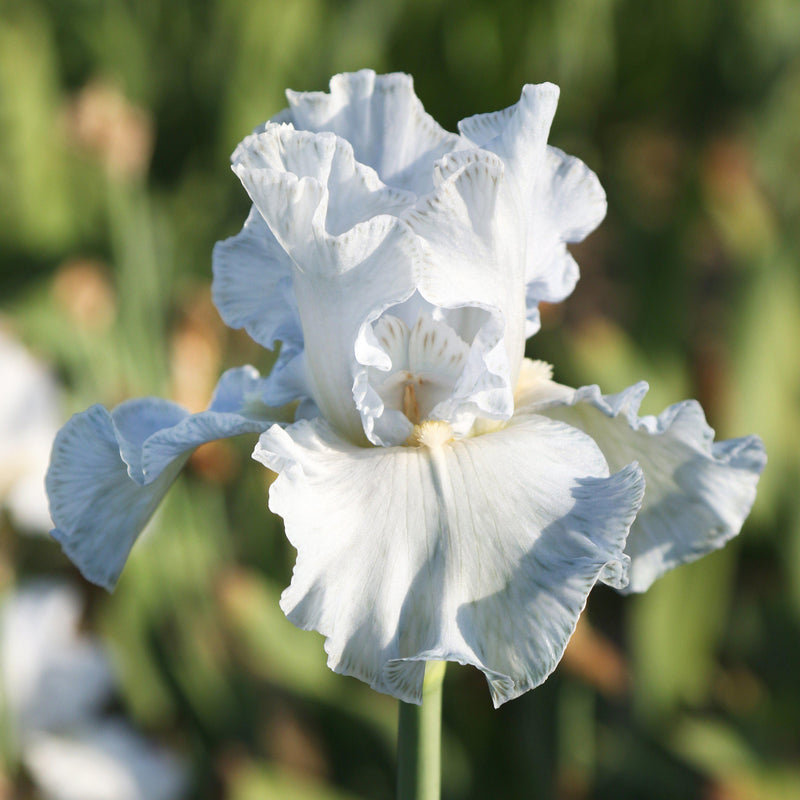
<point>447,499</point>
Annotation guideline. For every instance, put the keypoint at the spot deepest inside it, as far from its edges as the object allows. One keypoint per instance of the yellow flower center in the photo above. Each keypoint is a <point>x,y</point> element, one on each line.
<point>432,433</point>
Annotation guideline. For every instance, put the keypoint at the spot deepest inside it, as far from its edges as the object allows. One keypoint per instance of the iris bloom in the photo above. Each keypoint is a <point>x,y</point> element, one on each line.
<point>447,499</point>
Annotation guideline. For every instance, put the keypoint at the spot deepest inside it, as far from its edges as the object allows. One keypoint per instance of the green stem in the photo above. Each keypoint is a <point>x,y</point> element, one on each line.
<point>419,740</point>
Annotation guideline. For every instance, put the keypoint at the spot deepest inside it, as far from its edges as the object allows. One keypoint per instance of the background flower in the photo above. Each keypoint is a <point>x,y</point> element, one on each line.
<point>55,683</point>
<point>29,418</point>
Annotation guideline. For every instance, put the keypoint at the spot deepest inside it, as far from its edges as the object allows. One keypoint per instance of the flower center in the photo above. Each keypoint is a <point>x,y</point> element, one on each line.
<point>427,360</point>
<point>432,433</point>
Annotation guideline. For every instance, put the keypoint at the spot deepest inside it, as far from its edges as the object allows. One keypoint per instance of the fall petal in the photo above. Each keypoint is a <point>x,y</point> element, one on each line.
<point>698,491</point>
<point>109,471</point>
<point>478,550</point>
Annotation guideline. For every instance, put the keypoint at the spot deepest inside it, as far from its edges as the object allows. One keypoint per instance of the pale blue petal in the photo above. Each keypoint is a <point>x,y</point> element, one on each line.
<point>109,471</point>
<point>351,258</point>
<point>135,421</point>
<point>560,197</point>
<point>384,121</point>
<point>237,389</point>
<point>698,493</point>
<point>98,510</point>
<point>473,259</point>
<point>479,550</point>
<point>252,287</point>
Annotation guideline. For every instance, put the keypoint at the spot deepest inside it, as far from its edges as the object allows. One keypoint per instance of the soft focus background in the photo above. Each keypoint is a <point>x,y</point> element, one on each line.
<point>116,123</point>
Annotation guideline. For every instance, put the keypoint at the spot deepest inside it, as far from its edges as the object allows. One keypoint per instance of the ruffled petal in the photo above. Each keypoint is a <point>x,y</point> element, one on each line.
<point>699,492</point>
<point>384,121</point>
<point>109,471</point>
<point>319,172</point>
<point>473,260</point>
<point>479,550</point>
<point>470,283</point>
<point>351,258</point>
<point>561,199</point>
<point>252,287</point>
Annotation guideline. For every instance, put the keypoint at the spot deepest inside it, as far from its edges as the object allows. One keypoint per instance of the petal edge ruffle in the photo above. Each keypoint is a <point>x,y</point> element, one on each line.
<point>110,470</point>
<point>482,551</point>
<point>381,116</point>
<point>698,493</point>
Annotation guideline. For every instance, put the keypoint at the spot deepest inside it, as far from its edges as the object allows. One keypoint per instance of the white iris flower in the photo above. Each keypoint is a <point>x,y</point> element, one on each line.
<point>447,499</point>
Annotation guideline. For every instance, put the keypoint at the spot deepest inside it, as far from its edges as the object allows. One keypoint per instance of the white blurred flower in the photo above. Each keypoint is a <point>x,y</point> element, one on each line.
<point>53,678</point>
<point>54,682</point>
<point>447,499</point>
<point>29,420</point>
<point>106,760</point>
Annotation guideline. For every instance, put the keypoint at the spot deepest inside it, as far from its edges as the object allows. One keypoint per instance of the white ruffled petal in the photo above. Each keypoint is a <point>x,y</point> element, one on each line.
<point>560,197</point>
<point>351,258</point>
<point>473,261</point>
<point>384,121</point>
<point>479,550</point>
<point>698,493</point>
<point>319,172</point>
<point>252,287</point>
<point>109,471</point>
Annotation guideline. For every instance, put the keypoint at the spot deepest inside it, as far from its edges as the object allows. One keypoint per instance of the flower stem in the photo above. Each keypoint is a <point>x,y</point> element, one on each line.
<point>419,740</point>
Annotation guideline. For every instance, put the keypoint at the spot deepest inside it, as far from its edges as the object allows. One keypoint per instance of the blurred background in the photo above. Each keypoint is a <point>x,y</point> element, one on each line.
<point>116,123</point>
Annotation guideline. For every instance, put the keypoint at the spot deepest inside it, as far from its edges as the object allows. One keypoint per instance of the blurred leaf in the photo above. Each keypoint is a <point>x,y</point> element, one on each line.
<point>601,352</point>
<point>257,782</point>
<point>287,656</point>
<point>33,181</point>
<point>676,627</point>
<point>268,40</point>
<point>738,771</point>
<point>767,374</point>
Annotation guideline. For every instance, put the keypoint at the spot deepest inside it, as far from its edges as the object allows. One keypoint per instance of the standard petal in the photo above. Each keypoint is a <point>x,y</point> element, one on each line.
<point>473,260</point>
<point>109,471</point>
<point>347,269</point>
<point>699,492</point>
<point>319,174</point>
<point>560,197</point>
<point>252,287</point>
<point>384,121</point>
<point>480,550</point>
